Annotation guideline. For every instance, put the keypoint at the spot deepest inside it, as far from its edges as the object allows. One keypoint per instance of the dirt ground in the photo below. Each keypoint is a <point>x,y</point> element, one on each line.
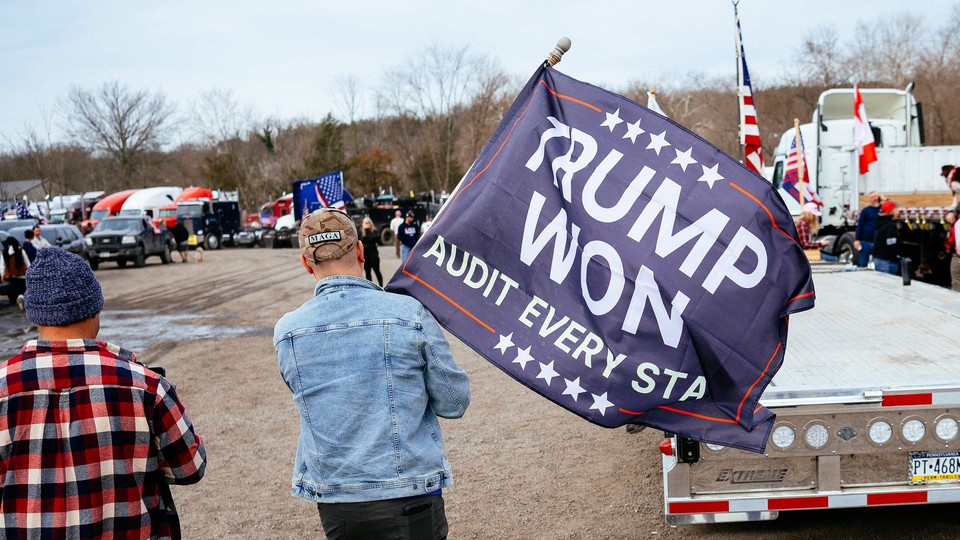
<point>523,467</point>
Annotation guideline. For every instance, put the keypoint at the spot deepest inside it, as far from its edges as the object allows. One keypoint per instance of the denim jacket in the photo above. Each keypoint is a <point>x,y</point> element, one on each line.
<point>370,372</point>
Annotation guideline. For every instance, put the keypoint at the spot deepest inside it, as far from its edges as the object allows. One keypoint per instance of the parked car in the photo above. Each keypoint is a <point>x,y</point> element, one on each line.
<point>283,234</point>
<point>61,235</point>
<point>7,224</point>
<point>124,239</point>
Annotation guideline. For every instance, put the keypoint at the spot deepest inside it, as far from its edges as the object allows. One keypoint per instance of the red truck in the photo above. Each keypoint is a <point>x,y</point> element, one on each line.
<point>106,207</point>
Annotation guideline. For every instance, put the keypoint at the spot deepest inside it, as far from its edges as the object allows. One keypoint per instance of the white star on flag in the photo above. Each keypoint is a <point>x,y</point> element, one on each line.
<point>573,388</point>
<point>684,158</point>
<point>547,373</point>
<point>505,343</point>
<point>633,130</point>
<point>657,142</point>
<point>601,403</point>
<point>612,120</point>
<point>710,175</point>
<point>523,356</point>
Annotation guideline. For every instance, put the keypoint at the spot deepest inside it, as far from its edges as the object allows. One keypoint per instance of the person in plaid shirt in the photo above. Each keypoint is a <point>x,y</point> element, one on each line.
<point>87,434</point>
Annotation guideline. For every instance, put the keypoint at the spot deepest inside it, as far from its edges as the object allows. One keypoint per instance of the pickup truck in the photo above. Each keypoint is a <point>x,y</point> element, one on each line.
<point>124,239</point>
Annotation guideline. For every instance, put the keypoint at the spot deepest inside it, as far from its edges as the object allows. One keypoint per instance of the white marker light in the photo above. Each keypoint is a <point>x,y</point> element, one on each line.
<point>913,430</point>
<point>816,436</point>
<point>880,432</point>
<point>714,447</point>
<point>783,437</point>
<point>947,429</point>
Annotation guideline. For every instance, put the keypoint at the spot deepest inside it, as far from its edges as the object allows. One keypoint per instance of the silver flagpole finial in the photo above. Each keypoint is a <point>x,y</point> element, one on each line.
<point>563,45</point>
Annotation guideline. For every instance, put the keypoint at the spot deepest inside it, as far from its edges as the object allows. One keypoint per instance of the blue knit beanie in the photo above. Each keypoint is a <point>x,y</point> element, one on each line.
<point>61,289</point>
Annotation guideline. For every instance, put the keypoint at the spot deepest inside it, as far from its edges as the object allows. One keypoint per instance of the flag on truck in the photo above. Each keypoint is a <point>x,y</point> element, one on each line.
<point>749,128</point>
<point>617,264</point>
<point>791,174</point>
<point>320,192</point>
<point>862,134</point>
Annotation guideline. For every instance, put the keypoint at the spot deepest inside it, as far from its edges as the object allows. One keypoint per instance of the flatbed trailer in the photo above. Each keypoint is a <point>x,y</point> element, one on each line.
<point>867,404</point>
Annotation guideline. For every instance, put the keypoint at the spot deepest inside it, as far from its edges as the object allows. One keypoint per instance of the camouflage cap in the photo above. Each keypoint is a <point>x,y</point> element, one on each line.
<point>326,235</point>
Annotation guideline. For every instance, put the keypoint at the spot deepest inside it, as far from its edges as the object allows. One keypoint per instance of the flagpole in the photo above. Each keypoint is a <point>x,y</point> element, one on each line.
<point>740,136</point>
<point>801,158</point>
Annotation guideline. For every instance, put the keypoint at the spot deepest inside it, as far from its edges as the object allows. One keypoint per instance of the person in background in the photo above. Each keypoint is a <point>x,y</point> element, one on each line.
<point>38,241</point>
<point>952,246</point>
<point>395,227</point>
<point>96,435</point>
<point>370,372</point>
<point>371,241</point>
<point>886,241</point>
<point>866,229</point>
<point>949,174</point>
<point>181,236</point>
<point>28,247</point>
<point>807,226</point>
<point>13,269</point>
<point>408,234</point>
<point>426,225</point>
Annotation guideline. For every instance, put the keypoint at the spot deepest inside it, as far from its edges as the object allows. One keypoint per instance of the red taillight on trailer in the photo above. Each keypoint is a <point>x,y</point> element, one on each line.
<point>666,447</point>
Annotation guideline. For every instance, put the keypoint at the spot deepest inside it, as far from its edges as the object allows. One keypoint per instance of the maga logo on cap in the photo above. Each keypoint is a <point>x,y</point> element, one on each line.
<point>319,238</point>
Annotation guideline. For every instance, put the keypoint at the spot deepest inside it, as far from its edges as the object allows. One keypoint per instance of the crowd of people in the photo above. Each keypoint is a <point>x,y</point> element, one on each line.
<point>877,237</point>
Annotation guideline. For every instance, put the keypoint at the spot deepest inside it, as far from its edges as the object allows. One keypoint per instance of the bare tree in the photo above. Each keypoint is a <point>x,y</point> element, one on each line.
<point>123,124</point>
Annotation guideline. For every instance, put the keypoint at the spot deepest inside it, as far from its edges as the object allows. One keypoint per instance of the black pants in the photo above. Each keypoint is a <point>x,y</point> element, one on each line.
<point>13,288</point>
<point>410,518</point>
<point>373,264</point>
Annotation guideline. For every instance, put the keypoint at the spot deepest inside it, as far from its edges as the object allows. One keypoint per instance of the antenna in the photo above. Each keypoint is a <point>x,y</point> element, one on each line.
<point>563,45</point>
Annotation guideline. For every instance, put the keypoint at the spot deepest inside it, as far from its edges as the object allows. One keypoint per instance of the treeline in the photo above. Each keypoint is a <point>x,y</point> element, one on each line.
<point>430,119</point>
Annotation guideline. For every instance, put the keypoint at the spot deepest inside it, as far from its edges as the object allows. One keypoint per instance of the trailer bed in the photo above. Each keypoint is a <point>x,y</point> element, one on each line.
<point>869,332</point>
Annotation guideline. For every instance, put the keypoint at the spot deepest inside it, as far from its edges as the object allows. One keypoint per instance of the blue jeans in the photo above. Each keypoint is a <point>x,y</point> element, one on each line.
<point>404,253</point>
<point>866,248</point>
<point>883,265</point>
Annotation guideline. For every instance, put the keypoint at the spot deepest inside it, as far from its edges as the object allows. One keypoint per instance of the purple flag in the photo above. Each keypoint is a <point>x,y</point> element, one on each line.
<point>618,265</point>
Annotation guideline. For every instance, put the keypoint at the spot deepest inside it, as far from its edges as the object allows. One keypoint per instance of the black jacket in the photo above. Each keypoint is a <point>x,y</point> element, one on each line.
<point>886,243</point>
<point>370,241</point>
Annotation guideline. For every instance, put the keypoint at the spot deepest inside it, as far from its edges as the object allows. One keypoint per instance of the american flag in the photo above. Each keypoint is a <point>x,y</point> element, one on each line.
<point>22,212</point>
<point>749,129</point>
<point>330,190</point>
<point>791,175</point>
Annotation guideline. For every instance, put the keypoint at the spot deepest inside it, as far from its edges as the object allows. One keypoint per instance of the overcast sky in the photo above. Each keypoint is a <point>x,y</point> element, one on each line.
<point>283,58</point>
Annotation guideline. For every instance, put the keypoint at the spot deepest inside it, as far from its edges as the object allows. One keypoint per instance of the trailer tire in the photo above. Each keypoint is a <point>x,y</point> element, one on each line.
<point>845,252</point>
<point>386,236</point>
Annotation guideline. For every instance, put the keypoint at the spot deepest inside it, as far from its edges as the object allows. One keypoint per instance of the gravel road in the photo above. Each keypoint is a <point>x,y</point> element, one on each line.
<point>524,468</point>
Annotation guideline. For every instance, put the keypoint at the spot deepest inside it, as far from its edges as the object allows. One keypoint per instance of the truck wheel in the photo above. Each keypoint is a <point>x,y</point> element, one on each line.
<point>165,254</point>
<point>386,236</point>
<point>139,259</point>
<point>94,264</point>
<point>845,252</point>
<point>212,241</point>
<point>121,263</point>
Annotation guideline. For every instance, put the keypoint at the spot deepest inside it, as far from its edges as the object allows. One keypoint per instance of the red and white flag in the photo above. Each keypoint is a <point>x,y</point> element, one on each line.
<point>749,129</point>
<point>862,136</point>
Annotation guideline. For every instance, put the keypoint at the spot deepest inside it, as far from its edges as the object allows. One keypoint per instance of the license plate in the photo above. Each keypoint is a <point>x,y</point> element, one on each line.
<point>106,255</point>
<point>934,467</point>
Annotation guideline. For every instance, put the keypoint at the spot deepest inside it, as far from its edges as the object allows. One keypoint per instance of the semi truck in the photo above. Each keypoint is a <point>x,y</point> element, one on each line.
<point>906,172</point>
<point>867,403</point>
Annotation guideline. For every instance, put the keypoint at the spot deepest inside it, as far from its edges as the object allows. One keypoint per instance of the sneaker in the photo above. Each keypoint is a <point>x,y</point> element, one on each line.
<point>21,304</point>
